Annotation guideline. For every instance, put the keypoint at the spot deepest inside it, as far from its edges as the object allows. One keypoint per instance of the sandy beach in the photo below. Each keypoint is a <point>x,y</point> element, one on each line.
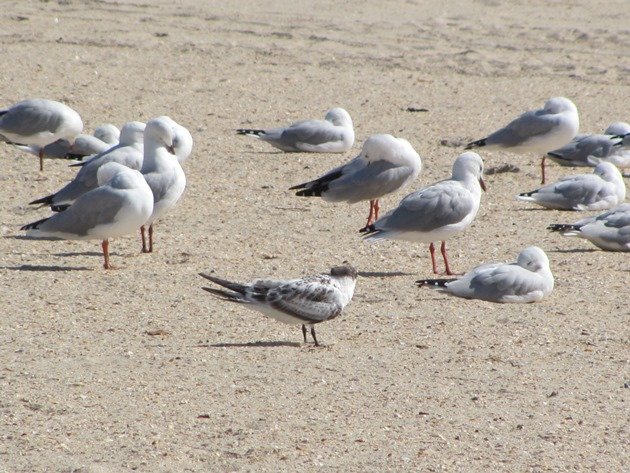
<point>138,369</point>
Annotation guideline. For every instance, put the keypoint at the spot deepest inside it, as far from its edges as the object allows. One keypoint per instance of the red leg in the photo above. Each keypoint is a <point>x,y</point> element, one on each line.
<point>445,256</point>
<point>432,251</point>
<point>376,209</point>
<point>144,240</point>
<point>542,165</point>
<point>41,159</point>
<point>151,238</point>
<point>105,246</point>
<point>370,219</point>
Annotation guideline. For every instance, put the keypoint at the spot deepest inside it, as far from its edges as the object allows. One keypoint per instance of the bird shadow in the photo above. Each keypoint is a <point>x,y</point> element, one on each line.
<point>83,253</point>
<point>382,274</point>
<point>574,250</point>
<point>32,267</point>
<point>259,344</point>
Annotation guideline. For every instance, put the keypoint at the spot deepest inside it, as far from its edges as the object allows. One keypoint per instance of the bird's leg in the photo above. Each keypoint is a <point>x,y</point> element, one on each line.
<point>304,332</point>
<point>432,251</point>
<point>542,166</point>
<point>445,256</point>
<point>144,240</point>
<point>105,247</point>
<point>41,158</point>
<point>371,218</point>
<point>313,335</point>
<point>376,209</point>
<point>151,238</point>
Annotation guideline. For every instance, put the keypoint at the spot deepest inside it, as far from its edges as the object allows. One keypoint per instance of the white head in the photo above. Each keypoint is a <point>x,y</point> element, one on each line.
<point>159,132</point>
<point>618,128</point>
<point>108,171</point>
<point>72,125</point>
<point>182,140</point>
<point>608,171</point>
<point>107,133</point>
<point>469,164</point>
<point>132,133</point>
<point>559,105</point>
<point>338,117</point>
<point>389,148</point>
<point>533,259</point>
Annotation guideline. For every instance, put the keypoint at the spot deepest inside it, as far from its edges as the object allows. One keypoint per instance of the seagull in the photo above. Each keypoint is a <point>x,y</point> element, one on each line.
<point>162,171</point>
<point>436,212</point>
<point>305,301</point>
<point>333,134</point>
<point>107,133</point>
<point>601,190</point>
<point>84,145</point>
<point>127,152</point>
<point>385,164</point>
<point>537,131</point>
<point>609,231</point>
<point>587,150</point>
<point>620,157</point>
<point>527,280</point>
<point>121,203</point>
<point>39,122</point>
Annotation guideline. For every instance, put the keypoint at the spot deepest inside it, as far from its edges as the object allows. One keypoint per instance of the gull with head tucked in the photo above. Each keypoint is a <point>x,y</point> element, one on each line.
<point>333,134</point>
<point>385,164</point>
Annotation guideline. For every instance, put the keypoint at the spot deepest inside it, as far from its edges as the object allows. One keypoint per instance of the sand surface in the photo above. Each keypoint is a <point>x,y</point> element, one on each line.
<point>139,369</point>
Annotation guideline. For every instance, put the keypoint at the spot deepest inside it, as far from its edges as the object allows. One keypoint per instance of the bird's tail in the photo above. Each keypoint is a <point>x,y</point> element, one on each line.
<point>527,196</point>
<point>233,286</point>
<point>48,200</point>
<point>222,294</point>
<point>34,225</point>
<point>566,229</point>
<point>476,144</point>
<point>433,283</point>
<point>250,132</point>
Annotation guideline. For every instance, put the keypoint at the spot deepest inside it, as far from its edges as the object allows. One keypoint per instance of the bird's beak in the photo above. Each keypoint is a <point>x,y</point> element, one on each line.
<point>171,149</point>
<point>482,184</point>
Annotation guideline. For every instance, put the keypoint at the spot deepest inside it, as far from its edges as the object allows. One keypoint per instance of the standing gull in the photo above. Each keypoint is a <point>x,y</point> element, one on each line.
<point>609,231</point>
<point>121,203</point>
<point>436,212</point>
<point>39,122</point>
<point>537,131</point>
<point>162,171</point>
<point>306,301</point>
<point>127,152</point>
<point>527,280</point>
<point>333,134</point>
<point>385,165</point>
<point>601,190</point>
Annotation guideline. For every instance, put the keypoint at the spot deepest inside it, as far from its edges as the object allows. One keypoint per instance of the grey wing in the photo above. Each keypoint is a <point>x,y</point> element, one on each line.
<point>427,209</point>
<point>574,190</point>
<point>312,301</point>
<point>493,282</point>
<point>160,184</point>
<point>97,207</point>
<point>27,119</point>
<point>311,132</point>
<point>527,126</point>
<point>578,151</point>
<point>369,182</point>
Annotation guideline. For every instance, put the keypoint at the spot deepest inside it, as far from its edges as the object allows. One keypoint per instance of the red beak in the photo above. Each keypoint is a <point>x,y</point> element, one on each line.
<point>483,184</point>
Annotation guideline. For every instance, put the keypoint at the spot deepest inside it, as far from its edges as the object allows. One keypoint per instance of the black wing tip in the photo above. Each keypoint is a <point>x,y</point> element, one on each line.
<point>433,282</point>
<point>33,225</point>
<point>249,131</point>
<point>312,192</point>
<point>476,144</point>
<point>48,200</point>
<point>527,194</point>
<point>561,227</point>
<point>551,154</point>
